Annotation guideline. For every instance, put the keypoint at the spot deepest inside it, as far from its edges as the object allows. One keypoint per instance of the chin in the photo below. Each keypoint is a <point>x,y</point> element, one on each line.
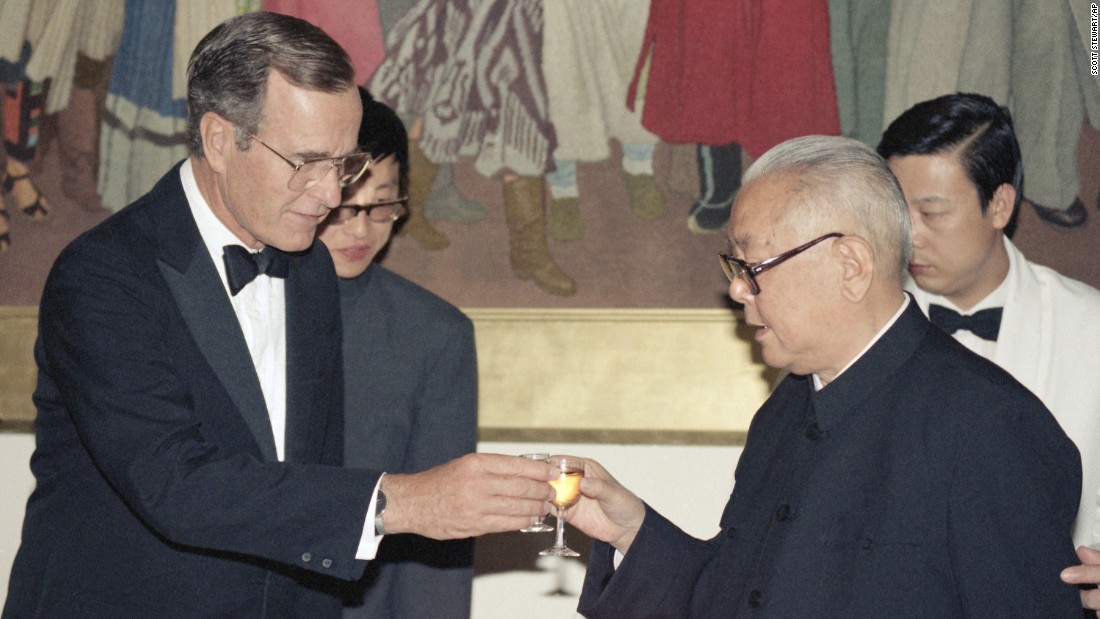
<point>350,271</point>
<point>773,360</point>
<point>294,243</point>
<point>931,286</point>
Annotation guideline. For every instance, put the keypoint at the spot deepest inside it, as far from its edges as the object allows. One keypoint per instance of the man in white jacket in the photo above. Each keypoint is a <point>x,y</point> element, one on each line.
<point>959,166</point>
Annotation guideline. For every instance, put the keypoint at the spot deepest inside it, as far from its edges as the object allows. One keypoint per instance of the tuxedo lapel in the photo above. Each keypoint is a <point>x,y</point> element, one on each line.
<point>307,323</point>
<point>212,323</point>
<point>197,289</point>
<point>1027,328</point>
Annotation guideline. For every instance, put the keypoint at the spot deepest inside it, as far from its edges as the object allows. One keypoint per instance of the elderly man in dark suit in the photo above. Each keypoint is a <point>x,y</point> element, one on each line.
<point>892,473</point>
<point>190,427</point>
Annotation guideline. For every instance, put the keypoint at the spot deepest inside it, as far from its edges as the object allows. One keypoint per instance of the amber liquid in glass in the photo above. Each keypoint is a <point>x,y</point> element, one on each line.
<point>567,488</point>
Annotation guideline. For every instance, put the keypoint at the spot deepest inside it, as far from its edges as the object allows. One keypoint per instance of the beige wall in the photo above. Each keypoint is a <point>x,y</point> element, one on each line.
<point>16,484</point>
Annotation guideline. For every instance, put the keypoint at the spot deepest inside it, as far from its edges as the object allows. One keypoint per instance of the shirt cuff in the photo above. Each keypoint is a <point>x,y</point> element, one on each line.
<point>368,542</point>
<point>617,559</point>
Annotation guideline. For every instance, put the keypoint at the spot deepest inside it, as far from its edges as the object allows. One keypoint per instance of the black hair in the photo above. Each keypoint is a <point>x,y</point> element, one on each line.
<point>383,134</point>
<point>974,125</point>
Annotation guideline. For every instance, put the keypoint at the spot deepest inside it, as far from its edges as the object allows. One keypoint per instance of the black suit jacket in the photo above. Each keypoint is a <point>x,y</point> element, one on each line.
<point>923,482</point>
<point>158,490</point>
<point>410,404</point>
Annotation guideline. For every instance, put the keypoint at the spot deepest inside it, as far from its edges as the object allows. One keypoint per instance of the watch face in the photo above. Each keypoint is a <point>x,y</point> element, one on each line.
<point>380,504</point>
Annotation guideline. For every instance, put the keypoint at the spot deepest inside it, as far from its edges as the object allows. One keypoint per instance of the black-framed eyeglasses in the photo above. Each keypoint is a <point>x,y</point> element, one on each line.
<point>383,212</point>
<point>310,172</point>
<point>735,267</point>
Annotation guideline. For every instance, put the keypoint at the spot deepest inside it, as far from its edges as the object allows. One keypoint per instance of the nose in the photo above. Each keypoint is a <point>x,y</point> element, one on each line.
<point>740,290</point>
<point>918,231</point>
<point>359,225</point>
<point>328,189</point>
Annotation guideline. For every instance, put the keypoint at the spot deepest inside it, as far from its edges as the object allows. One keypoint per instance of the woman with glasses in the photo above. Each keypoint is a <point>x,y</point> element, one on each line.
<point>410,376</point>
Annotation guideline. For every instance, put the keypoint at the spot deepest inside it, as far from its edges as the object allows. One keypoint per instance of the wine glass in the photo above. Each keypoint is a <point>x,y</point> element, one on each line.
<point>567,491</point>
<point>537,525</point>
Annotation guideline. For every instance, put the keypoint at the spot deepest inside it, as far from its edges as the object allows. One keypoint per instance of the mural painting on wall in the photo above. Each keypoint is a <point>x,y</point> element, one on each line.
<point>575,153</point>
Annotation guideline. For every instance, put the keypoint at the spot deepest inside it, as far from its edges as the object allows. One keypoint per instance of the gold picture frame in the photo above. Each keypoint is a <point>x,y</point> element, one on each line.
<point>18,329</point>
<point>655,376</point>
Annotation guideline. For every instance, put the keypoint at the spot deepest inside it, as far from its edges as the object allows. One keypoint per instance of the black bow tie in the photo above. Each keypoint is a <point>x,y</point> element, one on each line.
<point>242,266</point>
<point>984,324</point>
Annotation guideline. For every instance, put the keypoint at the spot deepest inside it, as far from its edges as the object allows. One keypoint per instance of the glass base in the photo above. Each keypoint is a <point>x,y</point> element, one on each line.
<point>560,551</point>
<point>539,527</point>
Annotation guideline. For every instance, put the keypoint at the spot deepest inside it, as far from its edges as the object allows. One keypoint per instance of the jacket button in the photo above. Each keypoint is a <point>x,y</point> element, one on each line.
<point>866,543</point>
<point>813,431</point>
<point>731,532</point>
<point>754,598</point>
<point>306,557</point>
<point>783,512</point>
<point>326,562</point>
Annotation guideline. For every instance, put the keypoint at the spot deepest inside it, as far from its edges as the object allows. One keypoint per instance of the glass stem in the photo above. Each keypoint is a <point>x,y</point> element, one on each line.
<point>561,528</point>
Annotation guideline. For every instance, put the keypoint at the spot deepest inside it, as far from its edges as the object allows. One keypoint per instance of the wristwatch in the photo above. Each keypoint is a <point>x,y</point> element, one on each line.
<point>379,509</point>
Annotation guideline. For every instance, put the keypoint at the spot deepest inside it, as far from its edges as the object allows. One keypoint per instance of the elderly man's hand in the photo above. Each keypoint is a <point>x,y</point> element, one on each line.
<point>1088,573</point>
<point>607,511</point>
<point>469,496</point>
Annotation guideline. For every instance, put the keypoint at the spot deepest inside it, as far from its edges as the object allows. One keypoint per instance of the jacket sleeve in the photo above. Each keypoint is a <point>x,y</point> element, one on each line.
<point>658,578</point>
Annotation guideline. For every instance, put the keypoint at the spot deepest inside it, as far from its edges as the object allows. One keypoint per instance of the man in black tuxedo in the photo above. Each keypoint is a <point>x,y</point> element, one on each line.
<point>892,473</point>
<point>189,430</point>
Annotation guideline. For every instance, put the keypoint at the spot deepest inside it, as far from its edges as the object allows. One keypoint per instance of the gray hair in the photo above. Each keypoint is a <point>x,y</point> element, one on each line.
<point>846,187</point>
<point>229,69</point>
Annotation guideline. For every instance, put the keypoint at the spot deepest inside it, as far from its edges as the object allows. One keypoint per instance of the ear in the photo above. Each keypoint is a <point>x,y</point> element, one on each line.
<point>218,140</point>
<point>1001,205</point>
<point>857,260</point>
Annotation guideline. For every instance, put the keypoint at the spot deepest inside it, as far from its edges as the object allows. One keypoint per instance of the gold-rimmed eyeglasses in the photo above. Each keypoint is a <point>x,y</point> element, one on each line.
<point>310,172</point>
<point>735,267</point>
<point>382,212</point>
